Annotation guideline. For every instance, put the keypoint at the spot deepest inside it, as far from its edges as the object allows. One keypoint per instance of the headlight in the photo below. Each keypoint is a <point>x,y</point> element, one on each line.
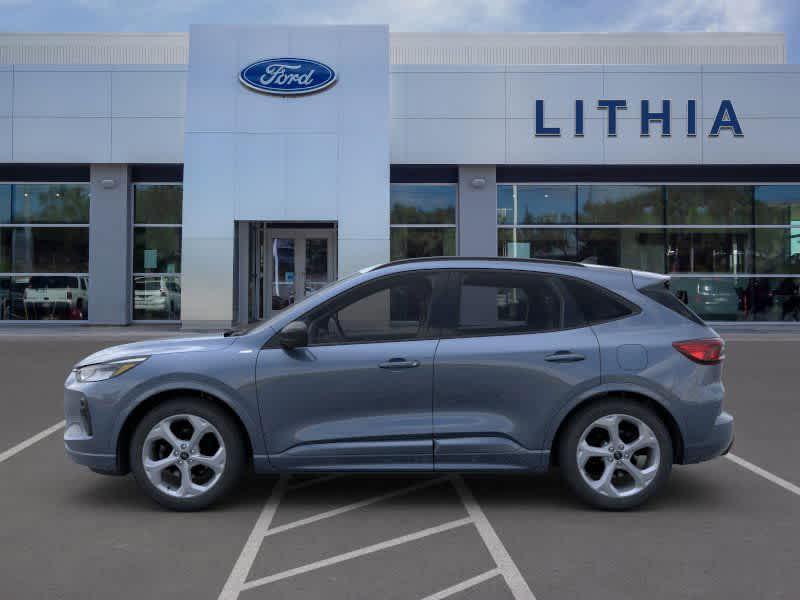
<point>103,371</point>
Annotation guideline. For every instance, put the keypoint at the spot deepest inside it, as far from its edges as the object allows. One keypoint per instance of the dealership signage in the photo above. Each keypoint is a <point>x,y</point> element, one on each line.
<point>287,76</point>
<point>725,120</point>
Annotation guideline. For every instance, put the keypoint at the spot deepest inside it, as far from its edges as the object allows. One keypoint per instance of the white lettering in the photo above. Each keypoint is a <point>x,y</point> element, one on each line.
<point>276,74</point>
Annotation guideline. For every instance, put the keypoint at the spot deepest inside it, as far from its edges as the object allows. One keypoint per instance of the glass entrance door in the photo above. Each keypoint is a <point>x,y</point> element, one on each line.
<point>299,262</point>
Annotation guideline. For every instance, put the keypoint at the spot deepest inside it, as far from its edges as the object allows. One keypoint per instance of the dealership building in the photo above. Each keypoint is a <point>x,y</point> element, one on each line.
<point>214,177</point>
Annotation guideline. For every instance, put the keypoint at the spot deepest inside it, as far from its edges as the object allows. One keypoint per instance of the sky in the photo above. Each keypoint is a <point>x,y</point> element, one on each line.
<point>413,15</point>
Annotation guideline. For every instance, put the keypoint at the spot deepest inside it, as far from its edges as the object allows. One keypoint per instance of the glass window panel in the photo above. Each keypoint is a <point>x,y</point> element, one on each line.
<point>717,298</point>
<point>392,309</point>
<point>157,249</point>
<point>47,203</point>
<point>784,299</point>
<point>641,249</point>
<point>554,244</point>
<point>709,205</point>
<point>316,265</point>
<point>777,205</point>
<point>44,249</point>
<point>505,302</point>
<point>710,251</point>
<point>44,298</point>
<point>418,242</point>
<point>536,204</point>
<point>158,204</point>
<point>621,204</point>
<point>778,250</point>
<point>423,204</point>
<point>5,203</point>
<point>156,297</point>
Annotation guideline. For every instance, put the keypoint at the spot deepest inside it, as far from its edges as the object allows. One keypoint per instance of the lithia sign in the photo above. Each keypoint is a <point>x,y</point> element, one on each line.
<point>725,120</point>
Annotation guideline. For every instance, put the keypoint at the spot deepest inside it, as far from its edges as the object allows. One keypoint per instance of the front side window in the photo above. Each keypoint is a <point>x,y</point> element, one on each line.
<point>508,302</point>
<point>423,220</point>
<point>394,308</point>
<point>157,215</point>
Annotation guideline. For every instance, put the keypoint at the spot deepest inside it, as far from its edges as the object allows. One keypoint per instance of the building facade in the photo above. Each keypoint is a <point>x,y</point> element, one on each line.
<point>215,177</point>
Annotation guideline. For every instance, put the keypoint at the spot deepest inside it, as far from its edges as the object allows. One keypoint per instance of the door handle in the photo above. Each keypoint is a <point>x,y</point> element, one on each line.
<point>564,356</point>
<point>399,363</point>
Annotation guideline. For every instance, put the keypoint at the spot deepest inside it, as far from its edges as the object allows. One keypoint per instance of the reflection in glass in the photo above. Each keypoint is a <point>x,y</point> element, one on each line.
<point>158,204</point>
<point>778,250</point>
<point>621,204</point>
<point>641,249</point>
<point>421,242</point>
<point>777,205</point>
<point>709,205</point>
<point>316,264</point>
<point>741,298</point>
<point>282,273</point>
<point>553,244</point>
<point>156,297</point>
<point>44,249</point>
<point>39,203</point>
<point>710,251</point>
<point>414,204</point>
<point>535,204</point>
<point>44,297</point>
<point>157,249</point>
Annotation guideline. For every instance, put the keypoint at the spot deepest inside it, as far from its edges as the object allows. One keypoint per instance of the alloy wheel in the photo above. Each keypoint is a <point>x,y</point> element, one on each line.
<point>183,456</point>
<point>618,455</point>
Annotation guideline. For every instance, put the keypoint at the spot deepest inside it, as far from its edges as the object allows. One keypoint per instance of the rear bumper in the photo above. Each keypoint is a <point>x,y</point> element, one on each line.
<point>718,442</point>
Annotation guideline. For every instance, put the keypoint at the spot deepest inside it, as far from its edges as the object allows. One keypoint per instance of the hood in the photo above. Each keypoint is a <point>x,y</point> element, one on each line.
<point>152,347</point>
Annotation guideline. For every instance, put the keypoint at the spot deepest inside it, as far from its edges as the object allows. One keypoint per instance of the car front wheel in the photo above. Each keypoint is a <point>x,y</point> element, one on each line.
<point>616,454</point>
<point>187,454</point>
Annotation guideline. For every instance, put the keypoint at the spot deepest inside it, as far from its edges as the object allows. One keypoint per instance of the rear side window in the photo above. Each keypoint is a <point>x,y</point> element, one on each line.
<point>597,304</point>
<point>661,293</point>
<point>508,302</point>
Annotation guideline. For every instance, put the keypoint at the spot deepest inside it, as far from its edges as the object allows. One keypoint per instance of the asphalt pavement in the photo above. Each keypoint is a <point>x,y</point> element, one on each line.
<point>720,530</point>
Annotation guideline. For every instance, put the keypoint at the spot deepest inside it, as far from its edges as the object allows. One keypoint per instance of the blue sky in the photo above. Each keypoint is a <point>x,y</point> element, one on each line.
<point>413,15</point>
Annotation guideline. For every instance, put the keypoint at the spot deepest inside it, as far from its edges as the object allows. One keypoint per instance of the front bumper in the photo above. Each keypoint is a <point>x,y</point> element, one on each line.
<point>718,442</point>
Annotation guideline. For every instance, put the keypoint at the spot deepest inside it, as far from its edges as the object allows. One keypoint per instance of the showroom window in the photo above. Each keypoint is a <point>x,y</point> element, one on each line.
<point>733,251</point>
<point>156,286</point>
<point>44,251</point>
<point>423,219</point>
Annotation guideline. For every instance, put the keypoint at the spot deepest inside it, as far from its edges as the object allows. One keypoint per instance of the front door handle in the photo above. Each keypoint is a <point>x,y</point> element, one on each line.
<point>399,363</point>
<point>564,356</point>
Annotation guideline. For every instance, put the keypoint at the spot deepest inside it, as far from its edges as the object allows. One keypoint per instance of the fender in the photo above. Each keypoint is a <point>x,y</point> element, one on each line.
<point>606,388</point>
<point>197,383</point>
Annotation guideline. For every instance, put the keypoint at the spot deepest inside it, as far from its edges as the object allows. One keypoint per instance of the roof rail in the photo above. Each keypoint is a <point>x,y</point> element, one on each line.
<point>544,261</point>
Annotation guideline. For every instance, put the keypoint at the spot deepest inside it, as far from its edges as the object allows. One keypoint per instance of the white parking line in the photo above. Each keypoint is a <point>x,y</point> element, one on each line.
<point>31,441</point>
<point>241,569</point>
<point>464,585</point>
<point>514,579</point>
<point>418,535</point>
<point>354,506</point>
<point>764,473</point>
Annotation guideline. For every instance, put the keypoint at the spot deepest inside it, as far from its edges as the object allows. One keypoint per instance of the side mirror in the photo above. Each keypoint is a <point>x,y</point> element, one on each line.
<point>294,335</point>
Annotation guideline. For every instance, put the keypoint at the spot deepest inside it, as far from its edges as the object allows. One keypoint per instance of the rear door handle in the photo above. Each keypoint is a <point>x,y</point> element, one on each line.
<point>399,363</point>
<point>564,356</point>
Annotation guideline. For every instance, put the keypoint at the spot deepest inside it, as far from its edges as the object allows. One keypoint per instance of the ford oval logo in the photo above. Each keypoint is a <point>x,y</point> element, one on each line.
<point>287,76</point>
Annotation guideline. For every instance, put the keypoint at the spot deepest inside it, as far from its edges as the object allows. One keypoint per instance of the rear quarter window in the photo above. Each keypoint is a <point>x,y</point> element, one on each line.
<point>661,293</point>
<point>596,303</point>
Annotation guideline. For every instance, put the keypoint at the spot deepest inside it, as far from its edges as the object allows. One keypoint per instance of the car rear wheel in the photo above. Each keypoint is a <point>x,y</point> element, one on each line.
<point>616,454</point>
<point>187,454</point>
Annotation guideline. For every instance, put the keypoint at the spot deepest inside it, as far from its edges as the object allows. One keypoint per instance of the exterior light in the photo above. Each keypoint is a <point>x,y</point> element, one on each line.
<point>478,182</point>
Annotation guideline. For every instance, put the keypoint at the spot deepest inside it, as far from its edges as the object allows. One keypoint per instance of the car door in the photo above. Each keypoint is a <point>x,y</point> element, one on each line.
<point>359,397</point>
<point>513,353</point>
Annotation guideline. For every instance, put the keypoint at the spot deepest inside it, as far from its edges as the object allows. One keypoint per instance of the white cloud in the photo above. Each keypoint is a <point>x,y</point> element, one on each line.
<point>416,15</point>
<point>704,15</point>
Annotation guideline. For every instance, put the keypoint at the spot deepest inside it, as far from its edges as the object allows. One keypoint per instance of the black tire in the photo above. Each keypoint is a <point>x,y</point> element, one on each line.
<point>568,447</point>
<point>235,459</point>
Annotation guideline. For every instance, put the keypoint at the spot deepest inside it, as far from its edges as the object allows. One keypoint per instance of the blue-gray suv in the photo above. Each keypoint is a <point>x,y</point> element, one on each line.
<point>468,365</point>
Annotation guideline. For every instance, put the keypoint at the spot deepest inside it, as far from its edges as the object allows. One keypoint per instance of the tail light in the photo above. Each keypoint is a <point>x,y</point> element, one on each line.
<point>705,352</point>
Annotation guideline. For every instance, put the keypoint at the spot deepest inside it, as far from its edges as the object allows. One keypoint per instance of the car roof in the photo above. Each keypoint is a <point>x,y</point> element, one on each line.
<point>489,261</point>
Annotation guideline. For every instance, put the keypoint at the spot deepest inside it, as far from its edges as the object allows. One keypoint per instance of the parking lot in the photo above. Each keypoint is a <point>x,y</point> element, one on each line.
<point>723,529</point>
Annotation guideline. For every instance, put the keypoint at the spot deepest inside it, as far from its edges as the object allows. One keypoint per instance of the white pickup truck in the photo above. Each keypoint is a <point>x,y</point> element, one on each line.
<point>56,297</point>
